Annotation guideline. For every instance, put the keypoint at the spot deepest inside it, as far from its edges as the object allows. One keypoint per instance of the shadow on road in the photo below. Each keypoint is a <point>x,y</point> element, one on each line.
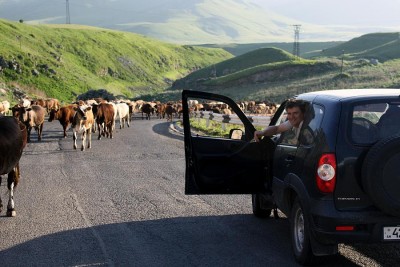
<point>186,241</point>
<point>165,129</point>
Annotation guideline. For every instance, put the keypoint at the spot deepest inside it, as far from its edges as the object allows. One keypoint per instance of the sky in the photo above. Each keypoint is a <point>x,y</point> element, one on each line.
<point>345,18</point>
<point>350,13</point>
<point>364,13</point>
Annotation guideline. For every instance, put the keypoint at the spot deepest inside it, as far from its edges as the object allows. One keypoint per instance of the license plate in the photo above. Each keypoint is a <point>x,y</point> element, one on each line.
<point>391,233</point>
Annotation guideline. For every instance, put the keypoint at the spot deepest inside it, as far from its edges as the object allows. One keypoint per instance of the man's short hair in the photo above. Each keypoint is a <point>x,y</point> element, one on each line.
<point>301,104</point>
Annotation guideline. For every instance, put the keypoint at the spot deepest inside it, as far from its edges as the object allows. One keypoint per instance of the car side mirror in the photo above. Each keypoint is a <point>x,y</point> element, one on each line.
<point>236,134</point>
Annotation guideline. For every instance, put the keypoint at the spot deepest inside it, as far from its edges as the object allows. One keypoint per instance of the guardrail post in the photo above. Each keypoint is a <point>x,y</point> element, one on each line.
<point>225,120</point>
<point>210,118</point>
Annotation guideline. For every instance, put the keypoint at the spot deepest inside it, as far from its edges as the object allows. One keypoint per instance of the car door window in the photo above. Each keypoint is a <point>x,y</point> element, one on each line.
<point>214,119</point>
<point>364,122</point>
<point>312,122</point>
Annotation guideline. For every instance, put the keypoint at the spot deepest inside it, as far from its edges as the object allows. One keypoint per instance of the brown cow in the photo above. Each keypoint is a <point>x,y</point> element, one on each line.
<point>32,117</point>
<point>40,102</point>
<point>170,111</point>
<point>161,110</point>
<point>105,120</point>
<point>64,115</point>
<point>52,103</point>
<point>82,123</point>
<point>12,141</point>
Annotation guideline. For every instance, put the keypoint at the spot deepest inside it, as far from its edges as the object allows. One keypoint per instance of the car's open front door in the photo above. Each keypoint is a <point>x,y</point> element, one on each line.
<point>220,155</point>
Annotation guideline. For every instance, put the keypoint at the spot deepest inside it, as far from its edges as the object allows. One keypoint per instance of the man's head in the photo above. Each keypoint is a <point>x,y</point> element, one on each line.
<point>295,110</point>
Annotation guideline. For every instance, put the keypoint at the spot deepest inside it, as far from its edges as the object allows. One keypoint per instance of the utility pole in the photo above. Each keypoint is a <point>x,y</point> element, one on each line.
<point>68,21</point>
<point>296,43</point>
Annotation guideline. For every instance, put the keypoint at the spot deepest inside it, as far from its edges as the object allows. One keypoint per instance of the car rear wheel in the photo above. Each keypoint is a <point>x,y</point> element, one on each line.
<point>258,211</point>
<point>300,235</point>
<point>381,175</point>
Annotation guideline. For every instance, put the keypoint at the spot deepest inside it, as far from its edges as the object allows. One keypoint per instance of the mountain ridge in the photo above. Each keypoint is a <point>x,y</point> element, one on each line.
<point>178,21</point>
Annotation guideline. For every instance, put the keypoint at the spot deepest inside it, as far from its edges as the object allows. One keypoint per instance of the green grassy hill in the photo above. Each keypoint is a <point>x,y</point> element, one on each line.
<point>258,66</point>
<point>63,61</point>
<point>307,49</point>
<point>387,51</point>
<point>251,59</point>
<point>273,74</point>
<point>378,45</point>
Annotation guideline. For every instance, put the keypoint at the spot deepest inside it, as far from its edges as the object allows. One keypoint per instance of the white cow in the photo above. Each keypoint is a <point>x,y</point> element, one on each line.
<point>82,124</point>
<point>6,107</point>
<point>123,114</point>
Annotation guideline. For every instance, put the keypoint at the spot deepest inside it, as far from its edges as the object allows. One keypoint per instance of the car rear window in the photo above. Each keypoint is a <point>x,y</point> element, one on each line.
<point>375,121</point>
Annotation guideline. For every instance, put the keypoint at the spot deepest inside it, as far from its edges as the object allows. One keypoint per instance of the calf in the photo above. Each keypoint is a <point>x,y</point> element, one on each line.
<point>64,115</point>
<point>32,117</point>
<point>12,142</point>
<point>82,123</point>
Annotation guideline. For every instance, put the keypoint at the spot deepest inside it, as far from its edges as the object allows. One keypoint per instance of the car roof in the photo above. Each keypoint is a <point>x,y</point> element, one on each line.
<point>352,93</point>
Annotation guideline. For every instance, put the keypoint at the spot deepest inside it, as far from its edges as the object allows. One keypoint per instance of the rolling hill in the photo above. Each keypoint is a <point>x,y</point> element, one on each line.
<point>273,74</point>
<point>258,66</point>
<point>63,61</point>
<point>378,45</point>
<point>307,49</point>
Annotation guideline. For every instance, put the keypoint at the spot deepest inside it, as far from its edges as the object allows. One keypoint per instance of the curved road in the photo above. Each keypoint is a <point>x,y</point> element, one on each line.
<point>121,203</point>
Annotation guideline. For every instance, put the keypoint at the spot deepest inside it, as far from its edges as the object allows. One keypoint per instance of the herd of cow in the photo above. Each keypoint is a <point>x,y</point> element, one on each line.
<point>85,118</point>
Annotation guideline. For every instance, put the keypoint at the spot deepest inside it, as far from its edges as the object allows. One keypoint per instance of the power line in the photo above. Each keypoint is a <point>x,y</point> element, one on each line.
<point>67,16</point>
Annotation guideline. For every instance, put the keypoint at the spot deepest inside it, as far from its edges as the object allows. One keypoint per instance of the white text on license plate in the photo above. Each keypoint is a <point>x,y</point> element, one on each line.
<point>391,233</point>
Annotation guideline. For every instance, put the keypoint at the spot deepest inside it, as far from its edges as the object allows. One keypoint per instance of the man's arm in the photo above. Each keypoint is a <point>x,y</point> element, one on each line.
<point>272,130</point>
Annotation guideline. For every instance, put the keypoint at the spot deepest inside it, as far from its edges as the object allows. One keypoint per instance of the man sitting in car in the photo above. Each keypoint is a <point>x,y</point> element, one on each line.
<point>295,110</point>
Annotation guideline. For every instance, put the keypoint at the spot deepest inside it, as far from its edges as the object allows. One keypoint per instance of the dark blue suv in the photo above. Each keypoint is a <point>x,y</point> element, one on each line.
<point>338,183</point>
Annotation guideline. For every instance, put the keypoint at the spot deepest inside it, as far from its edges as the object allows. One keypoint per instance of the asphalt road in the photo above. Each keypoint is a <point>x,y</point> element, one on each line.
<point>121,203</point>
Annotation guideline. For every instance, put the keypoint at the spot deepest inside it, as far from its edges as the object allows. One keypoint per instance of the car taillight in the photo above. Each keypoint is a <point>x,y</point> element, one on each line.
<point>326,173</point>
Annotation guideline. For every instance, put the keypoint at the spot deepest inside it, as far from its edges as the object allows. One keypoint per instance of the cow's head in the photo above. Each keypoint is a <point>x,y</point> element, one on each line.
<point>24,114</point>
<point>80,116</point>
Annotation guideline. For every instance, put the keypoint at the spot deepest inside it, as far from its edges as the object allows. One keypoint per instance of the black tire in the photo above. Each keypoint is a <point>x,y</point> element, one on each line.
<point>381,176</point>
<point>257,210</point>
<point>300,235</point>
